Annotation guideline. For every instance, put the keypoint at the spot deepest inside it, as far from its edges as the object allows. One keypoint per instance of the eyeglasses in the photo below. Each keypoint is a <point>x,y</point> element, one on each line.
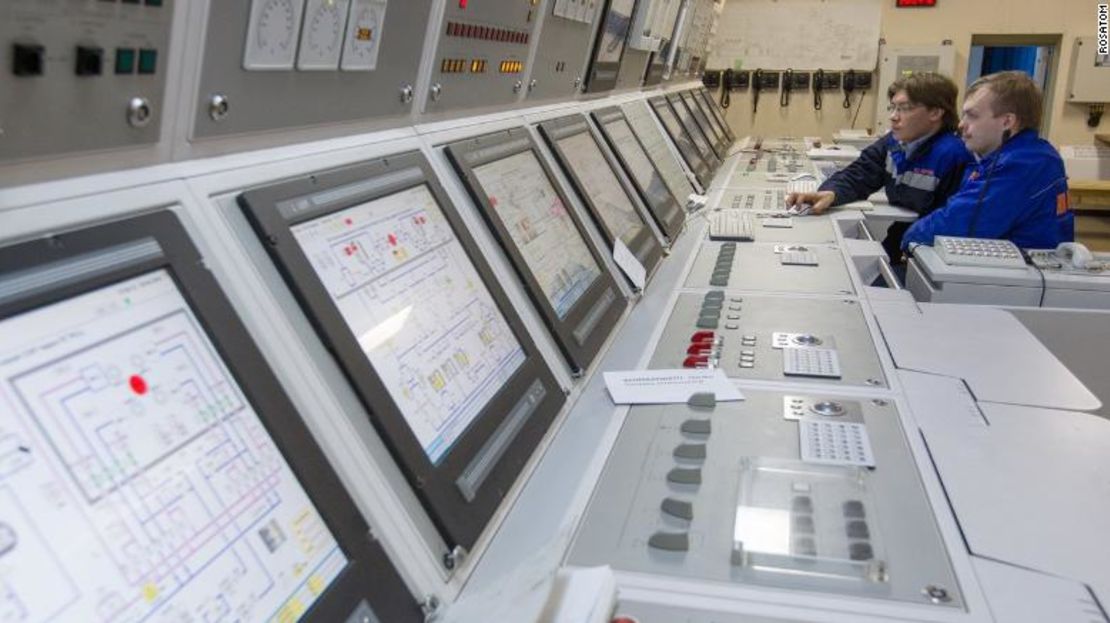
<point>902,109</point>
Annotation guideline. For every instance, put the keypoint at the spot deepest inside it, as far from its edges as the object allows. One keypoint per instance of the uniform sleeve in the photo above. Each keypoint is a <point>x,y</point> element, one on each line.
<point>864,176</point>
<point>950,175</point>
<point>1004,203</point>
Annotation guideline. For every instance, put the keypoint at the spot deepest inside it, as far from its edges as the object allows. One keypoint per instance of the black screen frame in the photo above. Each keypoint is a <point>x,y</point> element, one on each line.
<point>459,521</point>
<point>369,578</point>
<point>645,246</point>
<point>677,132</point>
<point>602,74</point>
<point>716,138</point>
<point>696,103</point>
<point>711,104</point>
<point>657,205</point>
<point>690,124</point>
<point>467,155</point>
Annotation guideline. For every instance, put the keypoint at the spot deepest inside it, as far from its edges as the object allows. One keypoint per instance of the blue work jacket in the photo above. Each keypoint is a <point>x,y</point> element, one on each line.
<point>1018,192</point>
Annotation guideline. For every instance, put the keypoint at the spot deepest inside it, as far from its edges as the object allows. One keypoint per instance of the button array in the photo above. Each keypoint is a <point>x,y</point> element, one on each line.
<point>819,362</point>
<point>722,270</point>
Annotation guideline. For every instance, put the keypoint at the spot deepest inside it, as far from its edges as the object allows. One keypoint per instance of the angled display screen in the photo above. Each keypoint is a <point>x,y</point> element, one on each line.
<point>662,204</point>
<point>381,263</point>
<point>692,129</point>
<point>422,315</point>
<point>690,152</point>
<point>543,238</point>
<point>609,45</point>
<point>599,182</point>
<point>665,157</point>
<point>521,193</point>
<point>144,479</point>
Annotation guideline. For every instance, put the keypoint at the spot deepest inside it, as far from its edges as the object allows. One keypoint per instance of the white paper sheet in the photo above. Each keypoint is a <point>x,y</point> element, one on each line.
<point>668,386</point>
<point>629,264</point>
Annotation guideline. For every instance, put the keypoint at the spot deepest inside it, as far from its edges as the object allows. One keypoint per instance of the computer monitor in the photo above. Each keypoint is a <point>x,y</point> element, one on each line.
<point>686,147</point>
<point>663,154</point>
<point>153,468</point>
<point>713,136</point>
<point>663,205</point>
<point>398,292</point>
<point>716,111</point>
<point>695,102</point>
<point>609,44</point>
<point>605,195</point>
<point>687,120</point>
<point>563,273</point>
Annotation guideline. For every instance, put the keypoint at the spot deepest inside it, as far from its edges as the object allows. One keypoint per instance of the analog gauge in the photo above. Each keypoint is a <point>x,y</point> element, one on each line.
<point>324,29</point>
<point>363,35</point>
<point>276,27</point>
<point>272,35</point>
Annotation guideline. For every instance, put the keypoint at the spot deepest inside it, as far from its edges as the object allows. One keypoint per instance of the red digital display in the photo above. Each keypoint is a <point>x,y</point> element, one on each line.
<point>901,4</point>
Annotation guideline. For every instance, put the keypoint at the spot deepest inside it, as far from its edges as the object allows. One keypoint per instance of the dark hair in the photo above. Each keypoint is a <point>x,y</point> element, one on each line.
<point>931,90</point>
<point>1014,92</point>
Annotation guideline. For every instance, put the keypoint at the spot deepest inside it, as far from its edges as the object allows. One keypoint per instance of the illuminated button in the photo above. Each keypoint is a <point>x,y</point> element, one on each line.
<point>89,61</point>
<point>125,60</point>
<point>28,60</point>
<point>148,61</point>
<point>462,4</point>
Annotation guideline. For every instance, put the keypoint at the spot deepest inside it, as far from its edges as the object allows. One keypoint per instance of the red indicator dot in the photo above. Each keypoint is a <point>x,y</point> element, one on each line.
<point>392,240</point>
<point>348,221</point>
<point>138,385</point>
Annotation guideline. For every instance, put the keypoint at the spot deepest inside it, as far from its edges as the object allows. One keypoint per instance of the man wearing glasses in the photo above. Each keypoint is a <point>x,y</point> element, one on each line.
<point>919,162</point>
<point>1018,190</point>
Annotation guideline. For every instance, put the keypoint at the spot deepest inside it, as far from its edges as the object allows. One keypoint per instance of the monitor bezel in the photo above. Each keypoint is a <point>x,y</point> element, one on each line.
<point>695,102</point>
<point>690,124</point>
<point>707,97</point>
<point>459,521</point>
<point>715,137</point>
<point>645,246</point>
<point>369,577</point>
<point>686,147</point>
<point>468,154</point>
<point>670,227</point>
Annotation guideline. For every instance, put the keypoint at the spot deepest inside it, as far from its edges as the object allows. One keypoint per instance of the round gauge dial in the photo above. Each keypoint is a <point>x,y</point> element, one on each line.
<point>324,29</point>
<point>277,27</point>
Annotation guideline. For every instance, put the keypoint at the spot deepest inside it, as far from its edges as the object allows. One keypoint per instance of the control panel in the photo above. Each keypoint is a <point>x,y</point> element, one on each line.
<point>763,267</point>
<point>281,64</point>
<point>481,53</point>
<point>774,224</point>
<point>561,50</point>
<point>727,494</point>
<point>754,337</point>
<point>79,76</point>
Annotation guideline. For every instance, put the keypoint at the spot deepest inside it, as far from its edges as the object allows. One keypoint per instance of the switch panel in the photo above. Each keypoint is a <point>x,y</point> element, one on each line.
<point>562,47</point>
<point>499,32</point>
<point>68,70</point>
<point>361,57</point>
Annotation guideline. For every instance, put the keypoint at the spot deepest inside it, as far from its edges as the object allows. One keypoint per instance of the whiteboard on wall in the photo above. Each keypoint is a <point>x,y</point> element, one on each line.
<point>797,34</point>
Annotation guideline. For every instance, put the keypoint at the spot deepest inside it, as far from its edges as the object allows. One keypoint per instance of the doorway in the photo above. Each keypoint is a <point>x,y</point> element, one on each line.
<point>1035,55</point>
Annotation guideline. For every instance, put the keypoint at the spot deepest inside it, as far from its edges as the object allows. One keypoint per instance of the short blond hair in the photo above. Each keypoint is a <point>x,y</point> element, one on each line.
<point>1014,92</point>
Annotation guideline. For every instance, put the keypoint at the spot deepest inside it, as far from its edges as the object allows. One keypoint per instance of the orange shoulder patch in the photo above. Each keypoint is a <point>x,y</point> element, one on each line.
<point>1062,206</point>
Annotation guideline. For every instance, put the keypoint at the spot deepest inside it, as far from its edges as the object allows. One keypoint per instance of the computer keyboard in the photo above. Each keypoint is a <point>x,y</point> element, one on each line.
<point>798,258</point>
<point>731,225</point>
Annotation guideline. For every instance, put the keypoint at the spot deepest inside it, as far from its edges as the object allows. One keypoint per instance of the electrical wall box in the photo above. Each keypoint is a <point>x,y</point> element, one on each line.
<point>1089,74</point>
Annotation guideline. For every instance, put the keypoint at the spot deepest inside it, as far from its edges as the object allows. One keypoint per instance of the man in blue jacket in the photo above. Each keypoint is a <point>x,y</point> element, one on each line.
<point>919,162</point>
<point>1018,190</point>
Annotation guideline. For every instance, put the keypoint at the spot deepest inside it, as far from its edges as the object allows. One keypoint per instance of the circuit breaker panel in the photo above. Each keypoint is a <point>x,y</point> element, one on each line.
<point>279,64</point>
<point>81,76</point>
<point>481,54</point>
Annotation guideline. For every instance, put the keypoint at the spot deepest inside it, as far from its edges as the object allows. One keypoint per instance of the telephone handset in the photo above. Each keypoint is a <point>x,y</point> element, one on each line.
<point>1068,255</point>
<point>986,252</point>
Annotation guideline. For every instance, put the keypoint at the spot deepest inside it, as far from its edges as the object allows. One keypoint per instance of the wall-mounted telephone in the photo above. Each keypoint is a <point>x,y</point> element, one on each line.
<point>711,78</point>
<point>762,80</point>
<point>735,79</point>
<point>986,252</point>
<point>792,81</point>
<point>1068,256</point>
<point>824,81</point>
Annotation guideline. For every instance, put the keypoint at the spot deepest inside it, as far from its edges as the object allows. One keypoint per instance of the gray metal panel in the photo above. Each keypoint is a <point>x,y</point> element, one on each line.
<point>625,508</point>
<point>562,48</point>
<point>494,31</point>
<point>839,324</point>
<point>633,66</point>
<point>60,112</point>
<point>757,267</point>
<point>272,100</point>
